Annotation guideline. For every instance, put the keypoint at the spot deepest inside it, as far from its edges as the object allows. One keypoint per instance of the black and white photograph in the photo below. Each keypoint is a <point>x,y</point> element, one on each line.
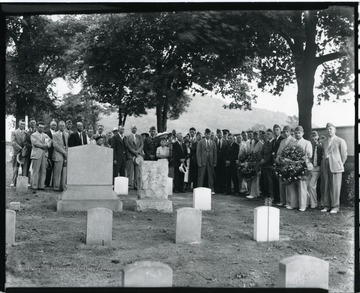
<point>192,145</point>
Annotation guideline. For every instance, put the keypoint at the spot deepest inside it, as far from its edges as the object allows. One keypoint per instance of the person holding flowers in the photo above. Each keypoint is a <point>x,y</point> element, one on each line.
<point>284,198</point>
<point>297,189</point>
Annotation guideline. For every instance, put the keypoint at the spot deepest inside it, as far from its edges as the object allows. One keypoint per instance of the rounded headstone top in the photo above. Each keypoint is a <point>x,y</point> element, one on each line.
<point>10,211</point>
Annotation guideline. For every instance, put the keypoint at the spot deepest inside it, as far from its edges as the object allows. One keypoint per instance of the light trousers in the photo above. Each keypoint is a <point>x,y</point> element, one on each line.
<point>59,176</point>
<point>38,174</point>
<point>332,187</point>
<point>313,179</point>
<point>297,192</point>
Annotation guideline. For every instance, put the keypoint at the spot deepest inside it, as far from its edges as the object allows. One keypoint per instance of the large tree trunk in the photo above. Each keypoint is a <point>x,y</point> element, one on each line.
<point>159,118</point>
<point>120,116</point>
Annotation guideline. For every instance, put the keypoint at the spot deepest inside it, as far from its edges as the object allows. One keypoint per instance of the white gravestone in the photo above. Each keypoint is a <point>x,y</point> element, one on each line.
<point>188,225</point>
<point>15,206</point>
<point>202,198</point>
<point>121,185</point>
<point>22,184</point>
<point>154,195</point>
<point>10,226</point>
<point>147,274</point>
<point>303,271</point>
<point>170,186</point>
<point>99,226</point>
<point>266,223</point>
<point>89,180</point>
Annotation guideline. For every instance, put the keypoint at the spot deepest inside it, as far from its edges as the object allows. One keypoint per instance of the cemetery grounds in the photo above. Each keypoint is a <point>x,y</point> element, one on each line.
<point>50,249</point>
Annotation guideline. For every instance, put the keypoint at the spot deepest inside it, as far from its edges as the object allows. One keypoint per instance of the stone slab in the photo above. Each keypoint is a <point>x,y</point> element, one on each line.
<point>90,165</point>
<point>170,186</point>
<point>22,184</point>
<point>202,198</point>
<point>266,224</point>
<point>99,226</point>
<point>15,206</point>
<point>121,185</point>
<point>154,179</point>
<point>303,271</point>
<point>188,225</point>
<point>147,274</point>
<point>84,205</point>
<point>161,205</point>
<point>10,227</point>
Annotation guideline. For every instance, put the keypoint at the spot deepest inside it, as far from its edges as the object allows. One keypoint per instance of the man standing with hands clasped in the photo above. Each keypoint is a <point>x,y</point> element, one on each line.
<point>206,156</point>
<point>332,166</point>
<point>59,157</point>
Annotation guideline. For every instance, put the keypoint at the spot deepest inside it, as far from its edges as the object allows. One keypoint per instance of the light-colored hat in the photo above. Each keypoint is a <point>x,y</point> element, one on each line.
<point>115,129</point>
<point>138,160</point>
<point>20,159</point>
<point>183,168</point>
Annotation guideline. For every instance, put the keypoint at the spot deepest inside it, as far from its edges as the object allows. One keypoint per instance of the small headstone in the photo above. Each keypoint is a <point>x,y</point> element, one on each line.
<point>121,185</point>
<point>10,226</point>
<point>15,206</point>
<point>266,223</point>
<point>303,271</point>
<point>202,198</point>
<point>147,274</point>
<point>188,225</point>
<point>170,186</point>
<point>22,184</point>
<point>99,226</point>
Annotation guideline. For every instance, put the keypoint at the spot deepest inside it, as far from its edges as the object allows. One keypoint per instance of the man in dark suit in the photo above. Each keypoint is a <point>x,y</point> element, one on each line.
<point>221,148</point>
<point>267,168</point>
<point>78,137</point>
<point>17,141</point>
<point>50,166</point>
<point>194,170</point>
<point>119,150</point>
<point>231,163</point>
<point>179,154</point>
<point>275,146</point>
<point>206,156</point>
<point>151,143</point>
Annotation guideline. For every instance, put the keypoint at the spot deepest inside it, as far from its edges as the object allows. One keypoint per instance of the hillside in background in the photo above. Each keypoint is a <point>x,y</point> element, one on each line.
<point>203,112</point>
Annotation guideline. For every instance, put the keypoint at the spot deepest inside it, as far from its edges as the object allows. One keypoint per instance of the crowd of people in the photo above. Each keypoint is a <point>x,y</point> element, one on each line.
<point>209,159</point>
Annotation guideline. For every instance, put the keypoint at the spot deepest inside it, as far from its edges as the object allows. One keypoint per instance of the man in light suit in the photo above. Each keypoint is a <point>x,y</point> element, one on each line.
<point>134,145</point>
<point>78,137</point>
<point>17,141</point>
<point>206,156</point>
<point>49,169</point>
<point>59,157</point>
<point>332,166</point>
<point>118,145</point>
<point>40,143</point>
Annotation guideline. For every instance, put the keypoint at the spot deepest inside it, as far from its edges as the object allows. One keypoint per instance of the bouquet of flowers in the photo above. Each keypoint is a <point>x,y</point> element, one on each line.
<point>292,166</point>
<point>249,165</point>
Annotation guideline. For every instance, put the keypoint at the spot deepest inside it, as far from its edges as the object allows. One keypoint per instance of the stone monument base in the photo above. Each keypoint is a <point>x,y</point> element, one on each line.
<point>84,197</point>
<point>161,205</point>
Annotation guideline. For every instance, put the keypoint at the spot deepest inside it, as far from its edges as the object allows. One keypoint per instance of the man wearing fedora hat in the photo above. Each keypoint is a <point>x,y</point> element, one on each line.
<point>17,141</point>
<point>206,156</point>
<point>332,166</point>
<point>179,156</point>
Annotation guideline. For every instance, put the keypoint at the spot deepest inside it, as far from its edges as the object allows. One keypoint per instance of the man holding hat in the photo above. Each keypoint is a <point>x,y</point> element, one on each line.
<point>288,139</point>
<point>17,141</point>
<point>298,189</point>
<point>26,151</point>
<point>206,156</point>
<point>179,155</point>
<point>334,158</point>
<point>221,148</point>
<point>315,172</point>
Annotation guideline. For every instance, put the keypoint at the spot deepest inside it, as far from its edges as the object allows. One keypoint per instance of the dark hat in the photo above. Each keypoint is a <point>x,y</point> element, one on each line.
<point>145,134</point>
<point>256,133</point>
<point>330,125</point>
<point>98,137</point>
<point>314,133</point>
<point>269,130</point>
<point>299,128</point>
<point>276,126</point>
<point>243,132</point>
<point>218,130</point>
<point>249,131</point>
<point>152,128</point>
<point>225,131</point>
<point>286,128</point>
<point>207,130</point>
<point>192,128</point>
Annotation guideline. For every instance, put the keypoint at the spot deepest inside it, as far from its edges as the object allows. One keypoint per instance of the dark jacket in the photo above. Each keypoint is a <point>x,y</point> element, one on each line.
<point>74,139</point>
<point>178,153</point>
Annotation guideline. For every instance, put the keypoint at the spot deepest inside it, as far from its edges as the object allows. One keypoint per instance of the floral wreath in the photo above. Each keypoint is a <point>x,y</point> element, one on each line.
<point>249,164</point>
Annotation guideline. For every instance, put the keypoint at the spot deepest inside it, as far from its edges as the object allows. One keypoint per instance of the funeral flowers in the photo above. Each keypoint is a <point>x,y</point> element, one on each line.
<point>292,166</point>
<point>249,165</point>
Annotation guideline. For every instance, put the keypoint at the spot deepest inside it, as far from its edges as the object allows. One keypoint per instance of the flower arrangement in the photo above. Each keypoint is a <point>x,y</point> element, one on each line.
<point>292,166</point>
<point>249,165</point>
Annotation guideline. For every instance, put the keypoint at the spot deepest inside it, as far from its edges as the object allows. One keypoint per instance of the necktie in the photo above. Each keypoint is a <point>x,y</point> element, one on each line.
<point>219,143</point>
<point>315,156</point>
<point>81,138</point>
<point>63,138</point>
